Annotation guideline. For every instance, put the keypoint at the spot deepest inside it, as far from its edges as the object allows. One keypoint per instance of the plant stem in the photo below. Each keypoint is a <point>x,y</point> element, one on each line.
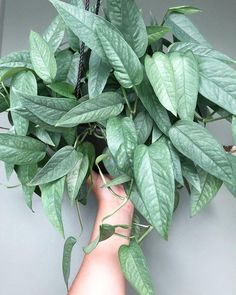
<point>126,100</point>
<point>145,234</point>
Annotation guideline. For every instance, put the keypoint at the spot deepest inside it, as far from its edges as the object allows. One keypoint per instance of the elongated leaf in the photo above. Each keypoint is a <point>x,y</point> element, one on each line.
<point>24,82</point>
<point>143,125</point>
<point>200,50</point>
<point>155,33</point>
<point>127,17</point>
<point>58,166</point>
<point>176,163</point>
<point>161,75</point>
<point>127,67</point>
<point>219,89</point>
<point>63,89</point>
<point>122,140</point>
<point>25,173</point>
<point>154,177</point>
<point>151,103</point>
<point>47,109</point>
<point>54,34</point>
<point>156,134</point>
<point>72,74</point>
<point>19,59</point>
<point>118,180</point>
<point>184,30</point>
<point>68,247</point>
<point>42,57</point>
<point>76,176</point>
<point>185,9</point>
<point>9,168</point>
<point>110,164</point>
<point>106,105</point>
<point>134,267</point>
<point>234,128</point>
<point>52,197</point>
<point>99,72</point>
<point>190,173</point>
<point>210,185</point>
<point>43,135</point>
<point>186,75</point>
<point>197,144</point>
<point>21,150</point>
<point>64,60</point>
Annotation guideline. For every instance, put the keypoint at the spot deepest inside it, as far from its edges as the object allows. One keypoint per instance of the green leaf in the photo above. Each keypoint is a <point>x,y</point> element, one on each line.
<point>106,105</point>
<point>24,82</point>
<point>110,164</point>
<point>42,135</point>
<point>52,197</point>
<point>64,60</point>
<point>9,168</point>
<point>151,103</point>
<point>58,166</point>
<point>73,70</point>
<point>197,144</point>
<point>127,67</point>
<point>118,180</point>
<point>218,88</point>
<point>99,72</point>
<point>156,134</point>
<point>68,247</point>
<point>186,74</point>
<point>63,89</point>
<point>76,176</point>
<point>19,59</point>
<point>54,34</point>
<point>190,173</point>
<point>210,185</point>
<point>184,9</point>
<point>184,30</point>
<point>234,128</point>
<point>127,17</point>
<point>42,57</point>
<point>134,267</point>
<point>154,177</point>
<point>155,33</point>
<point>200,50</point>
<point>25,173</point>
<point>143,125</point>
<point>21,150</point>
<point>122,140</point>
<point>176,163</point>
<point>161,75</point>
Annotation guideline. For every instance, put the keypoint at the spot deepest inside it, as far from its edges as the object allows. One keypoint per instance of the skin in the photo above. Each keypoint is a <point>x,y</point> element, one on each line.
<point>100,271</point>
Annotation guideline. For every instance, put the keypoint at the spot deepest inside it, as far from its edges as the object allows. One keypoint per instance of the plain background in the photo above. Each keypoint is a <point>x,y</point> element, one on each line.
<point>200,256</point>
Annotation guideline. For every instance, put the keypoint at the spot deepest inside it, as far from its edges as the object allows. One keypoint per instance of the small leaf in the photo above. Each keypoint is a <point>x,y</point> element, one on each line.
<point>58,166</point>
<point>21,150</point>
<point>134,267</point>
<point>161,75</point>
<point>64,62</point>
<point>197,144</point>
<point>68,247</point>
<point>42,58</point>
<point>52,197</point>
<point>184,9</point>
<point>154,177</point>
<point>190,173</point>
<point>106,105</point>
<point>54,34</point>
<point>63,89</point>
<point>143,125</point>
<point>42,135</point>
<point>176,163</point>
<point>155,33</point>
<point>210,185</point>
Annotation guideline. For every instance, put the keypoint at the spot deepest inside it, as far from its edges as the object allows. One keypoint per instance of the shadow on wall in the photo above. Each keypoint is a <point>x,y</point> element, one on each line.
<point>2,4</point>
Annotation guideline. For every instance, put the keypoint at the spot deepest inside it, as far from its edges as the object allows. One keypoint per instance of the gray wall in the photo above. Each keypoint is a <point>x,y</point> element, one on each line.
<point>200,256</point>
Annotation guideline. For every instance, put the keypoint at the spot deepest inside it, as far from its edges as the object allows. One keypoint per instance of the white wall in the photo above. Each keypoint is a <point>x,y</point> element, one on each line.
<point>200,256</point>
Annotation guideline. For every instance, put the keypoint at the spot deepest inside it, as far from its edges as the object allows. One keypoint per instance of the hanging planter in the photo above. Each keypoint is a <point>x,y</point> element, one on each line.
<point>107,90</point>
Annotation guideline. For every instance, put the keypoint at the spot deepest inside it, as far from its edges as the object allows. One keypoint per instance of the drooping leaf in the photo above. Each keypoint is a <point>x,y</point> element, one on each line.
<point>72,73</point>
<point>58,166</point>
<point>186,75</point>
<point>161,75</point>
<point>127,17</point>
<point>122,140</point>
<point>143,125</point>
<point>110,164</point>
<point>156,133</point>
<point>21,150</point>
<point>54,34</point>
<point>19,59</point>
<point>63,89</point>
<point>76,176</point>
<point>42,135</point>
<point>68,247</point>
<point>127,67</point>
<point>134,267</point>
<point>118,180</point>
<point>184,30</point>
<point>42,58</point>
<point>52,197</point>
<point>151,103</point>
<point>155,33</point>
<point>176,163</point>
<point>200,50</point>
<point>106,105</point>
<point>24,82</point>
<point>99,72</point>
<point>210,185</point>
<point>154,177</point>
<point>190,173</point>
<point>197,144</point>
<point>9,168</point>
<point>184,9</point>
<point>219,89</point>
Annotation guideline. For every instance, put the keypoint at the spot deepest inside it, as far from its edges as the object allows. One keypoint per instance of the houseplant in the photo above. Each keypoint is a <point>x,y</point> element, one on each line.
<point>146,98</point>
